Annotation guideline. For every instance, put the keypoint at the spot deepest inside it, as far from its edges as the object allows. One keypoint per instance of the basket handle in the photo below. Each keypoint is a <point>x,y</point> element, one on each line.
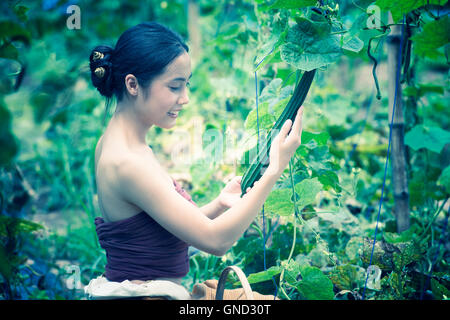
<point>242,278</point>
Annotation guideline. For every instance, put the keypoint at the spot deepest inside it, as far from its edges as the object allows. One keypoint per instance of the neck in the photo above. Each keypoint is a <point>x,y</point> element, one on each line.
<point>127,121</point>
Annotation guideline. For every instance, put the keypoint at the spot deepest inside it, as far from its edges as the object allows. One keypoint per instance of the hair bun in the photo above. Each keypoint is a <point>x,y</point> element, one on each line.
<point>100,63</point>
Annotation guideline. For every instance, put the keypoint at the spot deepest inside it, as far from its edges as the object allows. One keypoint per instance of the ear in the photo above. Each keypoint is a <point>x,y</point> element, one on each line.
<point>131,83</point>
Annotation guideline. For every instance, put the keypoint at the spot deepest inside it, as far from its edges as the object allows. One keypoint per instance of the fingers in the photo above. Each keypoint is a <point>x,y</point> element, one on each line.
<point>296,131</point>
<point>250,188</point>
<point>296,128</point>
<point>285,129</point>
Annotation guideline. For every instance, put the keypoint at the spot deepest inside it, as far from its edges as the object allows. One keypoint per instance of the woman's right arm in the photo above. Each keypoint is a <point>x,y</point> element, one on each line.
<point>233,222</point>
<point>145,188</point>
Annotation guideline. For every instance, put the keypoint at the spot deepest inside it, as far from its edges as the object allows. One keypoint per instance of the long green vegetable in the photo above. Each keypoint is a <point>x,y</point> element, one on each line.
<point>254,172</point>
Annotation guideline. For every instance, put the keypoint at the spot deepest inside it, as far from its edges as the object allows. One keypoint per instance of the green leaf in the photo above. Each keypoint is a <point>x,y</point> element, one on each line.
<point>431,138</point>
<point>320,138</point>
<point>439,291</point>
<point>341,220</point>
<point>17,226</point>
<point>307,191</point>
<point>279,202</point>
<point>353,247</point>
<point>353,44</point>
<point>314,284</point>
<point>21,13</point>
<point>423,89</point>
<point>405,236</point>
<point>8,143</point>
<point>444,179</point>
<point>265,119</point>
<point>292,4</point>
<point>406,253</point>
<point>434,35</point>
<point>309,45</point>
<point>263,275</point>
<point>9,52</point>
<point>5,265</point>
<point>329,179</point>
<point>403,7</point>
<point>346,277</point>
<point>9,29</point>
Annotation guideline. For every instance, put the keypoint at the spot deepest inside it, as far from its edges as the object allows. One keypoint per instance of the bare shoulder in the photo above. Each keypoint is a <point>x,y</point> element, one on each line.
<point>147,188</point>
<point>142,182</point>
<point>132,168</point>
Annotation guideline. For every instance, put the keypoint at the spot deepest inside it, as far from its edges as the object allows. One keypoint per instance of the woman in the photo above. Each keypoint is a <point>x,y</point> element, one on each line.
<point>148,221</point>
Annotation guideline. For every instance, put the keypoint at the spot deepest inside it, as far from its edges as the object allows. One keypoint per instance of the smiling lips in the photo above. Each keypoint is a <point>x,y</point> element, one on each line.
<point>174,113</point>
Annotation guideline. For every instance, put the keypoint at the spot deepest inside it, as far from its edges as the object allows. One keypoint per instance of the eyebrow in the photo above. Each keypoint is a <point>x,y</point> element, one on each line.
<point>181,79</point>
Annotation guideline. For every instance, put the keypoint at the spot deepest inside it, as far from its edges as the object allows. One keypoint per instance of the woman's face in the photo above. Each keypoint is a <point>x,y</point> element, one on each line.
<point>168,93</point>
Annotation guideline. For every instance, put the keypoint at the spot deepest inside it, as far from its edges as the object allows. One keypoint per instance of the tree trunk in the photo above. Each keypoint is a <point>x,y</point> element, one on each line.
<point>398,158</point>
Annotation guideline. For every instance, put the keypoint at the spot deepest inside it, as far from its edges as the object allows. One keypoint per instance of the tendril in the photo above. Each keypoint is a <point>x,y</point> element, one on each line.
<point>375,63</point>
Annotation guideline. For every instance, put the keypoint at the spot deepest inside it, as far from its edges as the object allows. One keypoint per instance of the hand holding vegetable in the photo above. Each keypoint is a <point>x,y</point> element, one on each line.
<point>285,144</point>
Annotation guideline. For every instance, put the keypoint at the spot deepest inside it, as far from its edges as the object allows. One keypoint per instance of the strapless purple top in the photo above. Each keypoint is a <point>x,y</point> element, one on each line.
<point>138,248</point>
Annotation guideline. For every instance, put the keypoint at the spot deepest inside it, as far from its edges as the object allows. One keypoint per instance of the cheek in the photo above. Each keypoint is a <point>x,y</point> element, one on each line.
<point>165,97</point>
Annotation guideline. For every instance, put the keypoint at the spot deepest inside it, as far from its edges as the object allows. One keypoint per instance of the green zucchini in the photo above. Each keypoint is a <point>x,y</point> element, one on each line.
<point>253,173</point>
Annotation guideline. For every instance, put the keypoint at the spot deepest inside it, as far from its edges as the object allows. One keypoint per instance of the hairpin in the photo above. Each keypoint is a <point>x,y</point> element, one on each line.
<point>99,72</point>
<point>97,55</point>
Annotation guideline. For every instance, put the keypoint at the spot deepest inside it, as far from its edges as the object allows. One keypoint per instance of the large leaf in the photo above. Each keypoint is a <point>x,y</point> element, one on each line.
<point>307,191</point>
<point>400,8</point>
<point>279,202</point>
<point>431,138</point>
<point>434,35</point>
<point>314,284</point>
<point>309,45</point>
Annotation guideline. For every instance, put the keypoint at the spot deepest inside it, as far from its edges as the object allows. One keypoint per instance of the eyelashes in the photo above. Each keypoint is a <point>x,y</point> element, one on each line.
<point>188,85</point>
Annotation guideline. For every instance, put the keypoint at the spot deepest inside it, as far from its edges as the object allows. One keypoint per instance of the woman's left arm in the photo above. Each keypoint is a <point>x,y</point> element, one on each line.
<point>213,209</point>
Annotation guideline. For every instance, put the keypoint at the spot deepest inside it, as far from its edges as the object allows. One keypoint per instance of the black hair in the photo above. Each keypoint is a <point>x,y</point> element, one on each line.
<point>144,50</point>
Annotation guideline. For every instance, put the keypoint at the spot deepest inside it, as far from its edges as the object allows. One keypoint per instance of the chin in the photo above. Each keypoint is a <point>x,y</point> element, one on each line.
<point>166,126</point>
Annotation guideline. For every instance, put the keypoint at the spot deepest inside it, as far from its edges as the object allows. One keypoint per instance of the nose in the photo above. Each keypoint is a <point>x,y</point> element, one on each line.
<point>183,99</point>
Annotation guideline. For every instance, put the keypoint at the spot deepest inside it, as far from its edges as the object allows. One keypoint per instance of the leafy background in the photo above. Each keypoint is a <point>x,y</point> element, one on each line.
<point>318,240</point>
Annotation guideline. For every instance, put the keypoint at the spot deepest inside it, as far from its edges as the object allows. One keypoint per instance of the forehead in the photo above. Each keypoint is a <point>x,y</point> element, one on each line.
<point>179,68</point>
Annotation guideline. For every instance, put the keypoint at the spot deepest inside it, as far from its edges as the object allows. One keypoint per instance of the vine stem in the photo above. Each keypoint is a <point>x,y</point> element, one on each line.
<point>294,239</point>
